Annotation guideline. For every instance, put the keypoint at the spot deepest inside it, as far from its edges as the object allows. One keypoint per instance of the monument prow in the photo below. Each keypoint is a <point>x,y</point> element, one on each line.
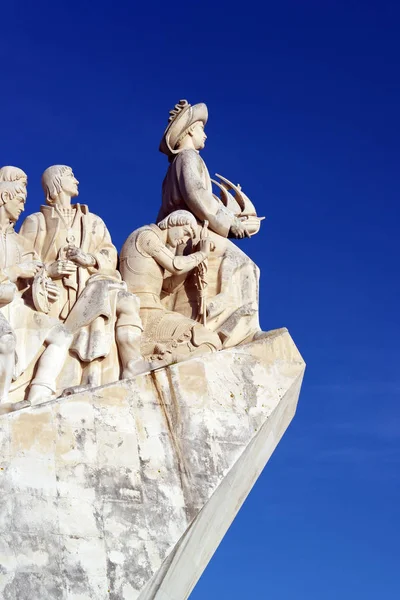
<point>139,397</point>
<point>125,491</point>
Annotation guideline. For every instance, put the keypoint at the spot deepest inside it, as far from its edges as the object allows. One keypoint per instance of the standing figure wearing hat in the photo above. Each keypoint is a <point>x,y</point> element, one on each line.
<point>232,278</point>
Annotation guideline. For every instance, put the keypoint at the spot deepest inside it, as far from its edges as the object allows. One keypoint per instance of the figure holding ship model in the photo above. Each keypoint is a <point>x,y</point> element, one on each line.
<point>231,307</point>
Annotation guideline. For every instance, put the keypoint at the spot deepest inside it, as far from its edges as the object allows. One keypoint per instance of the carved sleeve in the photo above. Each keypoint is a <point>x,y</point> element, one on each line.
<point>31,230</point>
<point>200,200</point>
<point>148,243</point>
<point>105,253</point>
<point>26,253</point>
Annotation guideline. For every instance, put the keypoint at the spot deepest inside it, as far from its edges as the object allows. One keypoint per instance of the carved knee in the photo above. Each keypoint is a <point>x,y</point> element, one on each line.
<point>127,303</point>
<point>59,336</point>
<point>128,313</point>
<point>127,333</point>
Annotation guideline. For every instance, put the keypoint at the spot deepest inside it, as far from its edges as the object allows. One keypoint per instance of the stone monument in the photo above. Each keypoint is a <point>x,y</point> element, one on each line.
<point>137,406</point>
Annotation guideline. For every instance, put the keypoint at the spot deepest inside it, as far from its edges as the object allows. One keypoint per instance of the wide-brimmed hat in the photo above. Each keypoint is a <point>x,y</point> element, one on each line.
<point>182,117</point>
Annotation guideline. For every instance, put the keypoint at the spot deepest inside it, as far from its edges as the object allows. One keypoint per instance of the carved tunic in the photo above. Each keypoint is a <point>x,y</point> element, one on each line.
<point>50,234</point>
<point>88,298</point>
<point>187,186</point>
<point>8,246</point>
<point>163,329</point>
<point>31,328</point>
<point>140,271</point>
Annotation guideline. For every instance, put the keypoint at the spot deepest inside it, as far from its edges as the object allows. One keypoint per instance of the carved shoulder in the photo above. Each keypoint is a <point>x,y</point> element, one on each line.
<point>148,243</point>
<point>34,222</point>
<point>190,168</point>
<point>189,157</point>
<point>95,222</point>
<point>32,229</point>
<point>97,228</point>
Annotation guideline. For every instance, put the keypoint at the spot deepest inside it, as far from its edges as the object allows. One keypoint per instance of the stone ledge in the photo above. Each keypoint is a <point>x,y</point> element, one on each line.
<point>126,490</point>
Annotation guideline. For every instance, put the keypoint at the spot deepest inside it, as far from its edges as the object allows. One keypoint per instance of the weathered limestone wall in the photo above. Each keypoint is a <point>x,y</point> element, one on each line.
<point>124,492</point>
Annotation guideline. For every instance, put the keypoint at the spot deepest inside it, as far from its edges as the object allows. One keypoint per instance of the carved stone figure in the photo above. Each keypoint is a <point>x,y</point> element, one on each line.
<point>23,331</point>
<point>150,265</point>
<point>76,248</point>
<point>232,278</point>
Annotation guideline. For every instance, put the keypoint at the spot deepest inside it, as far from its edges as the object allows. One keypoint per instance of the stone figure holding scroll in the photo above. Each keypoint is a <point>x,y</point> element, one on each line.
<point>232,278</point>
<point>27,337</point>
<point>76,248</point>
<point>150,266</point>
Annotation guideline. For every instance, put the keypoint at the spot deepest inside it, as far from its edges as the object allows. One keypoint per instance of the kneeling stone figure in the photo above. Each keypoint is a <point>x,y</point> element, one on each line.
<point>147,257</point>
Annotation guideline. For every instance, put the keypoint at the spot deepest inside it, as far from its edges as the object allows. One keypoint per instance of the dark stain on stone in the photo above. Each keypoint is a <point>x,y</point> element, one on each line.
<point>119,575</point>
<point>80,437</point>
<point>117,484</point>
<point>77,578</point>
<point>32,586</point>
<point>112,576</point>
<point>248,386</point>
<point>173,420</point>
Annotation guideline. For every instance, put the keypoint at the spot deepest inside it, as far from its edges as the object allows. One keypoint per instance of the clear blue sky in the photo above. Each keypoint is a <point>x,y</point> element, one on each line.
<point>304,101</point>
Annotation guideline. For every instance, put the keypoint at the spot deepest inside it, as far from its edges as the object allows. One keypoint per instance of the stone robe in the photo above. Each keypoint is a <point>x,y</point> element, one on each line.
<point>187,186</point>
<point>87,302</point>
<point>232,277</point>
<point>48,235</point>
<point>18,315</point>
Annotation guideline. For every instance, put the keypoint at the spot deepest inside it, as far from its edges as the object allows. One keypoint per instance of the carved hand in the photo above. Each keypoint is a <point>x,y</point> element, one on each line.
<point>206,246</point>
<point>238,230</point>
<point>52,290</point>
<point>60,268</point>
<point>80,258</point>
<point>26,270</point>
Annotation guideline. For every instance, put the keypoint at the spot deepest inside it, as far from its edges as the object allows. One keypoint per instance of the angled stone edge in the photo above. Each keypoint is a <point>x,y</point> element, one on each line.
<point>185,564</point>
<point>133,485</point>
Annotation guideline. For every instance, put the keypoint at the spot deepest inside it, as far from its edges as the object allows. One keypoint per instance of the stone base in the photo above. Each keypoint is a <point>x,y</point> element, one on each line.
<point>125,492</point>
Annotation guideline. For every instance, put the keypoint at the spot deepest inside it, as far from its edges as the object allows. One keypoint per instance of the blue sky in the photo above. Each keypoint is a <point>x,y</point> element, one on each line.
<point>304,112</point>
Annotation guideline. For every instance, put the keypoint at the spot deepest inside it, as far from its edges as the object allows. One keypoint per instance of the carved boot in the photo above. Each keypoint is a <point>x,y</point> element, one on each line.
<point>39,393</point>
<point>135,367</point>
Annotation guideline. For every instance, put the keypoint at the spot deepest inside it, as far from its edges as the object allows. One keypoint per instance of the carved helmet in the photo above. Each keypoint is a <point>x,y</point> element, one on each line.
<point>181,118</point>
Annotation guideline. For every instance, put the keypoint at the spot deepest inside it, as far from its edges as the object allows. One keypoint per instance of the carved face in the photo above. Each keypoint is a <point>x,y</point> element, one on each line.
<point>180,234</point>
<point>198,136</point>
<point>69,184</point>
<point>14,207</point>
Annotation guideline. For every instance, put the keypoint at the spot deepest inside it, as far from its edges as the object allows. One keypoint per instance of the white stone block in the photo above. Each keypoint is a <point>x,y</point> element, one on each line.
<point>126,491</point>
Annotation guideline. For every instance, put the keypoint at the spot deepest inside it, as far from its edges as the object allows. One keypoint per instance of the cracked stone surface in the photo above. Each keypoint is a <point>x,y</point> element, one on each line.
<point>124,492</point>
